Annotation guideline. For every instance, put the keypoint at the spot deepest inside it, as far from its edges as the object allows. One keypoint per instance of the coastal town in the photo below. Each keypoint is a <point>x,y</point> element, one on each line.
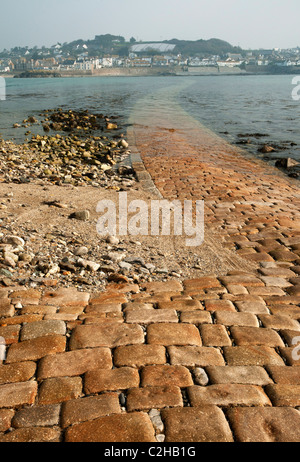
<point>107,51</point>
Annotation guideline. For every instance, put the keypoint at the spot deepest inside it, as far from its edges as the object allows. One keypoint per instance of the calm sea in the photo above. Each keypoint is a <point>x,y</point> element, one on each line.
<point>254,109</point>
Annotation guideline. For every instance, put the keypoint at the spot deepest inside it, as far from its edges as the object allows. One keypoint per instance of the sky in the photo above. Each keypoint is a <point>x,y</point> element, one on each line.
<point>250,24</point>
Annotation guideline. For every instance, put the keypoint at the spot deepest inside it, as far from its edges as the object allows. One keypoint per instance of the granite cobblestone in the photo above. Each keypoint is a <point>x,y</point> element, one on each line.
<point>205,359</point>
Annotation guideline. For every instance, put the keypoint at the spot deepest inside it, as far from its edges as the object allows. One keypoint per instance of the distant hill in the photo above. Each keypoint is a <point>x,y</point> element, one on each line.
<point>203,47</point>
<point>117,45</point>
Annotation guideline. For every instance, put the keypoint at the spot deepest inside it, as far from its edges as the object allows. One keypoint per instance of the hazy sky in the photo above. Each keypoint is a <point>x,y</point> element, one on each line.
<point>247,23</point>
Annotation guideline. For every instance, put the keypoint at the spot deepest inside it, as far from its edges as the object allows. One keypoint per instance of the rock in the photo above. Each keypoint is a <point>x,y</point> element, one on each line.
<point>113,240</point>
<point>8,261</point>
<point>67,266</point>
<point>125,266</point>
<point>160,438</point>
<point>162,270</point>
<point>5,273</point>
<point>123,144</point>
<point>80,251</point>
<point>157,424</point>
<point>116,256</point>
<point>53,269</point>
<point>286,163</point>
<point>25,257</point>
<point>150,267</point>
<point>88,264</point>
<point>83,215</point>
<point>266,149</point>
<point>106,167</point>
<point>200,376</point>
<point>125,170</point>
<point>111,126</point>
<point>137,260</point>
<point>32,120</point>
<point>118,278</point>
<point>14,240</point>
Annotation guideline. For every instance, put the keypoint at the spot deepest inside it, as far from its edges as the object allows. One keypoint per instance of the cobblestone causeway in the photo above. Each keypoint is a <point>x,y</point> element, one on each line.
<point>207,360</point>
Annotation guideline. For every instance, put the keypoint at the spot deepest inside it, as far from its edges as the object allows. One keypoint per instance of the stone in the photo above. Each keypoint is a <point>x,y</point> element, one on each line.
<point>249,375</point>
<point>65,297</point>
<point>88,264</point>
<point>286,163</point>
<point>113,240</point>
<point>37,416</point>
<point>196,425</point>
<point>10,334</point>
<point>33,435</point>
<point>181,305</point>
<point>82,215</point>
<point>80,251</point>
<point>109,335</point>
<point>227,395</point>
<point>256,336</point>
<point>153,376</point>
<point>42,329</point>
<point>158,287</point>
<point>153,397</point>
<point>6,416</point>
<point>214,335</point>
<point>135,427</point>
<point>252,355</point>
<point>196,317</point>
<point>279,322</point>
<point>265,424</point>
<point>111,380</point>
<point>72,363</point>
<point>18,372</point>
<point>157,424</point>
<point>14,240</point>
<point>59,389</point>
<point>90,408</point>
<point>285,375</point>
<point>252,307</point>
<point>139,355</point>
<point>284,395</point>
<point>219,305</point>
<point>32,350</point>
<point>193,356</point>
<point>173,334</point>
<point>236,319</point>
<point>17,394</point>
<point>200,377</point>
<point>6,309</point>
<point>149,316</point>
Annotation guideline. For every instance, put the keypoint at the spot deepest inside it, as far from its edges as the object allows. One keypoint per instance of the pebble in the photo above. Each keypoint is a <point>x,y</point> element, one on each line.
<point>113,240</point>
<point>200,376</point>
<point>160,438</point>
<point>82,215</point>
<point>14,240</point>
<point>80,251</point>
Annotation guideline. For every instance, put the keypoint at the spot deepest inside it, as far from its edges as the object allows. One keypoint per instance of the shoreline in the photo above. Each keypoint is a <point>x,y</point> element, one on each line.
<point>153,72</point>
